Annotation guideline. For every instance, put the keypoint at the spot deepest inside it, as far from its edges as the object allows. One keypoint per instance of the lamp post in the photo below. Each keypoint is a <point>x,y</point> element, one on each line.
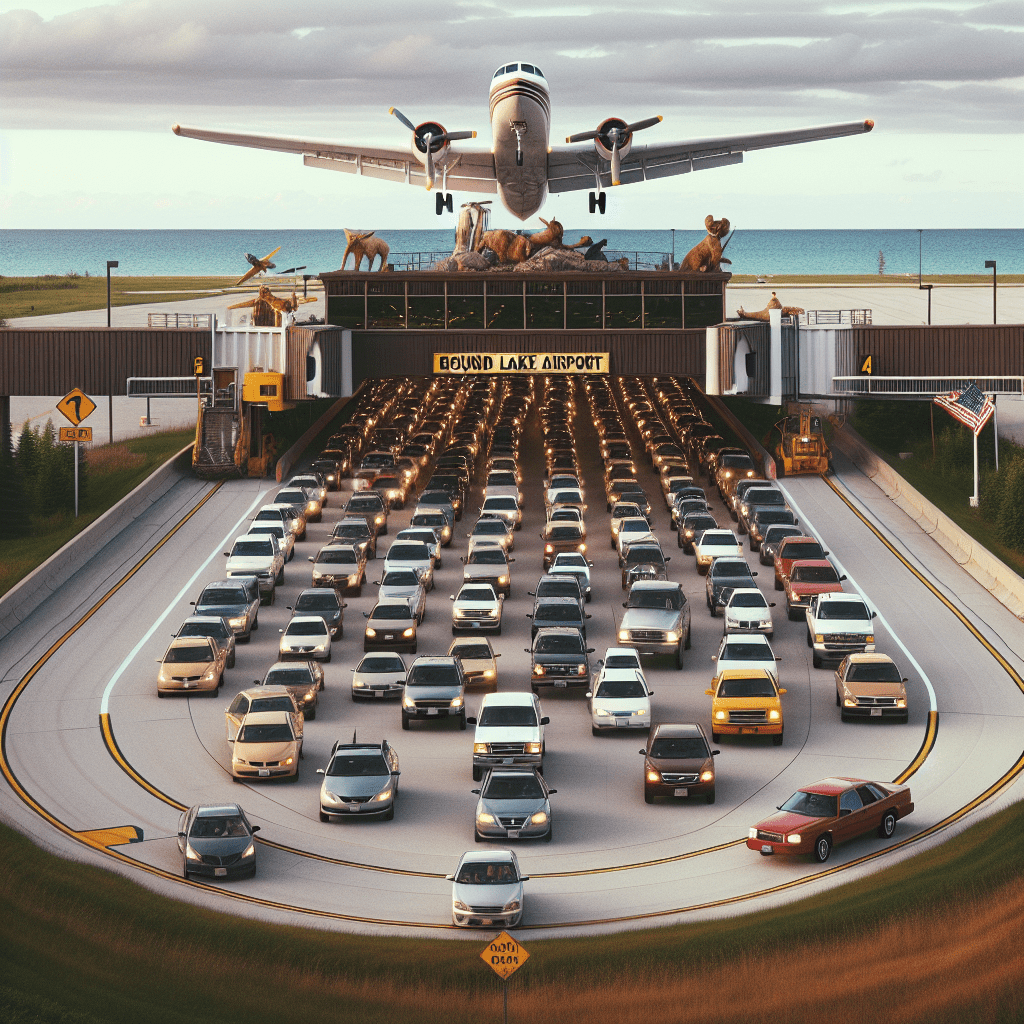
<point>920,236</point>
<point>110,369</point>
<point>927,288</point>
<point>991,264</point>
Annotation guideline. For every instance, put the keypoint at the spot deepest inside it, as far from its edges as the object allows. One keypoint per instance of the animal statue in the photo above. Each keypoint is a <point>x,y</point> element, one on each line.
<point>512,248</point>
<point>551,235</point>
<point>706,255</point>
<point>773,303</point>
<point>365,245</point>
<point>595,251</point>
<point>584,243</point>
<point>268,308</point>
<point>471,225</point>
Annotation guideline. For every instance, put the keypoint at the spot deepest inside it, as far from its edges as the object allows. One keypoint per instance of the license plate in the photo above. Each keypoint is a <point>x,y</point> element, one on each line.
<point>220,872</point>
<point>621,723</point>
<point>681,791</point>
<point>513,833</point>
<point>433,711</point>
<point>876,712</point>
<point>379,693</point>
<point>389,636</point>
<point>748,730</point>
<point>264,773</point>
<point>562,683</point>
<point>508,760</point>
<point>352,807</point>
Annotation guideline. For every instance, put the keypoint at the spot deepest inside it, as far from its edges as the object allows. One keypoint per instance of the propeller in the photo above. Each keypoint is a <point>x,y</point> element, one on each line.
<point>430,138</point>
<point>614,136</point>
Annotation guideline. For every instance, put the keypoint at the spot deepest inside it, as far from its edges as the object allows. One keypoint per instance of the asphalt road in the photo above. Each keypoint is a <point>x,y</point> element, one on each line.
<point>615,861</point>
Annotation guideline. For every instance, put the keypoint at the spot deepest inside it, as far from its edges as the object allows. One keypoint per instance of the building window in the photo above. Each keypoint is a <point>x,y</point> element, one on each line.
<point>702,310</point>
<point>346,311</point>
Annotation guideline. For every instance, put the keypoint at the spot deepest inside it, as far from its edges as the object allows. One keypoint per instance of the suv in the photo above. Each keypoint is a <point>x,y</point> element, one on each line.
<point>726,574</point>
<point>435,688</point>
<point>559,585</point>
<point>476,607</point>
<point>837,625</point>
<point>755,498</point>
<point>792,549</point>
<point>678,762</point>
<point>643,560</point>
<point>765,517</point>
<point>257,555</point>
<point>657,619</point>
<point>360,779</point>
<point>355,530</point>
<point>509,731</point>
<point>560,658</point>
<point>489,565</point>
<point>340,566</point>
<point>370,506</point>
<point>237,600</point>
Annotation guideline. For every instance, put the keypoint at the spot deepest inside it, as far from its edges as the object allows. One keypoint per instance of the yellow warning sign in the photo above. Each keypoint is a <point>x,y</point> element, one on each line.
<point>504,956</point>
<point>866,365</point>
<point>76,405</point>
<point>76,433</point>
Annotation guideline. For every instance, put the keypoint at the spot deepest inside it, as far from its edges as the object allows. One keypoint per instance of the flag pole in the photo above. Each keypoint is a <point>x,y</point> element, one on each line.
<point>974,497</point>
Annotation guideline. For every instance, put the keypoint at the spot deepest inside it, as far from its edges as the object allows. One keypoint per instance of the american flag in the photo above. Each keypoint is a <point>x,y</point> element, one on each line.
<point>972,406</point>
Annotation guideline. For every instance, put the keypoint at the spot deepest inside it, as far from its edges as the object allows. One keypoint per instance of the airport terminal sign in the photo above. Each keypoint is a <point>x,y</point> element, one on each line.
<point>458,364</point>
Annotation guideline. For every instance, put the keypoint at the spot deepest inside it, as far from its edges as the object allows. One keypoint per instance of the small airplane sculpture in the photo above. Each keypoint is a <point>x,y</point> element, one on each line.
<point>266,305</point>
<point>259,266</point>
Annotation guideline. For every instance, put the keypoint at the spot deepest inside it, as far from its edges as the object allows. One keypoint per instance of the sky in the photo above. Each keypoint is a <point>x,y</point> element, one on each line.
<point>88,94</point>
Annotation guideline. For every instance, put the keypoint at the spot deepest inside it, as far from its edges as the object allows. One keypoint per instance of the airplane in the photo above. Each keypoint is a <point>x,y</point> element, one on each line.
<point>521,166</point>
<point>258,266</point>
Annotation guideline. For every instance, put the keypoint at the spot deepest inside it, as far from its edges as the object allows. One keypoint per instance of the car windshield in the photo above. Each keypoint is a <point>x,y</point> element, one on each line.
<point>273,514</point>
<point>222,597</point>
<point>640,554</point>
<point>180,655</point>
<point>218,828</point>
<point>272,528</point>
<point>621,688</point>
<point>434,675</point>
<point>737,651</point>
<point>775,515</point>
<point>570,562</point>
<point>621,661</point>
<point>564,533</point>
<point>358,765</point>
<point>718,540</point>
<point>515,715</point>
<point>633,526</point>
<point>720,569</point>
<point>480,873</point>
<point>748,601</point>
<point>814,574</point>
<point>415,552</point>
<point>559,644</point>
<point>501,478</point>
<point>337,557</point>
<point>476,594</point>
<point>357,530</point>
<point>264,732</point>
<point>812,805</point>
<point>736,462</point>
<point>429,519</point>
<point>289,677</point>
<point>472,650</point>
<point>364,503</point>
<point>873,672</point>
<point>305,629</point>
<point>390,612</point>
<point>559,588</point>
<point>423,536</point>
<point>856,610</point>
<point>662,600</point>
<point>487,556</point>
<point>679,746</point>
<point>324,601</point>
<point>624,510</point>
<point>557,613</point>
<point>764,496</point>
<point>490,528</point>
<point>777,534</point>
<point>381,663</point>
<point>401,578</point>
<point>214,629</point>
<point>804,549</point>
<point>292,497</point>
<point>513,787</point>
<point>699,522</point>
<point>746,687</point>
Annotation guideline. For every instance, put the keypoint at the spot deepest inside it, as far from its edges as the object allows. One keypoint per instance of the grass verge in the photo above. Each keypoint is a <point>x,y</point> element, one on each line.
<point>114,471</point>
<point>81,944</point>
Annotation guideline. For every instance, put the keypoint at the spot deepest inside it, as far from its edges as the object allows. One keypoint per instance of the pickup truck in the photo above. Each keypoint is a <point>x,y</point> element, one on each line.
<point>657,619</point>
<point>509,731</point>
<point>837,625</point>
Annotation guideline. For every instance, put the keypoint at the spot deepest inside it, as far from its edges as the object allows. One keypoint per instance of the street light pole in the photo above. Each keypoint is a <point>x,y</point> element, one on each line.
<point>110,369</point>
<point>920,236</point>
<point>927,288</point>
<point>992,264</point>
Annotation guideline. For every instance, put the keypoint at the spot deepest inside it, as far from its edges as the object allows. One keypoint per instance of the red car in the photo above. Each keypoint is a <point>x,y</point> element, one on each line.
<point>817,817</point>
<point>806,579</point>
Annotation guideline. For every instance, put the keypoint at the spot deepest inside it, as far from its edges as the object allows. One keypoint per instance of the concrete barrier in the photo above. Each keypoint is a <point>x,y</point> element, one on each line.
<point>27,595</point>
<point>994,575</point>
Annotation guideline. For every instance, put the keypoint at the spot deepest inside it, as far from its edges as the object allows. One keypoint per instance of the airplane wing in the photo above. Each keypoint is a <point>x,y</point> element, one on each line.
<point>468,170</point>
<point>270,255</point>
<point>577,165</point>
<point>245,277</point>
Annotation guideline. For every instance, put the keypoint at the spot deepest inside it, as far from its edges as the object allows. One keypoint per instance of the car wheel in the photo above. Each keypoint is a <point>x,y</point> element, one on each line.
<point>822,848</point>
<point>688,638</point>
<point>477,837</point>
<point>280,577</point>
<point>328,658</point>
<point>341,630</point>
<point>184,873</point>
<point>231,663</point>
<point>478,773</point>
<point>710,798</point>
<point>810,641</point>
<point>778,583</point>
<point>777,739</point>
<point>462,722</point>
<point>389,814</point>
<point>536,689</point>
<point>295,777</point>
<point>702,570</point>
<point>648,797</point>
<point>792,613</point>
<point>357,590</point>
<point>594,731</point>
<point>405,722</point>
<point>324,817</point>
<point>712,610</point>
<point>587,598</point>
<point>679,539</point>
<point>679,654</point>
<point>843,716</point>
<point>310,714</point>
<point>255,624</point>
<point>838,704</point>
<point>816,660</point>
<point>753,546</point>
<point>272,598</point>
<point>161,695</point>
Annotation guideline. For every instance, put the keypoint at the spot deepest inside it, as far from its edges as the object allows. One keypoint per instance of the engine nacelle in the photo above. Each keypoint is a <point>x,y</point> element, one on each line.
<point>419,140</point>
<point>606,134</point>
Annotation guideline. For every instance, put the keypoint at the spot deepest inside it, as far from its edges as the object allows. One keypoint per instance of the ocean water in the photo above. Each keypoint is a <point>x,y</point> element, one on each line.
<point>196,252</point>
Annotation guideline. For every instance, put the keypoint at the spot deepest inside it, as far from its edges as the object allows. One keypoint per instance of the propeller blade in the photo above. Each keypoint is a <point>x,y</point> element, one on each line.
<point>648,122</point>
<point>429,170</point>
<point>615,163</point>
<point>401,117</point>
<point>456,136</point>
<point>582,137</point>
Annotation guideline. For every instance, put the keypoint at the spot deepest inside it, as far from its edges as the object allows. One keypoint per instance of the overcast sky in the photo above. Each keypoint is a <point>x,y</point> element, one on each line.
<point>87,95</point>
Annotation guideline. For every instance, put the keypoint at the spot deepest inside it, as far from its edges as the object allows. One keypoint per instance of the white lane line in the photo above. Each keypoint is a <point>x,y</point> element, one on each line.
<point>218,550</point>
<point>932,702</point>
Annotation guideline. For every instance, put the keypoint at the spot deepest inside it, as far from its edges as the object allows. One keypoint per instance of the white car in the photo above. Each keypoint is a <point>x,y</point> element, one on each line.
<point>257,555</point>
<point>748,611</point>
<point>307,637</point>
<point>411,554</point>
<point>573,564</point>
<point>562,482</point>
<point>406,585</point>
<point>503,506</point>
<point>621,700</point>
<point>565,496</point>
<point>502,483</point>
<point>492,531</point>
<point>837,625</point>
<point>425,535</point>
<point>630,531</point>
<point>477,607</point>
<point>714,544</point>
<point>509,731</point>
<point>379,674</point>
<point>310,482</point>
<point>487,889</point>
<point>287,515</point>
<point>745,651</point>
<point>285,539</point>
<point>617,658</point>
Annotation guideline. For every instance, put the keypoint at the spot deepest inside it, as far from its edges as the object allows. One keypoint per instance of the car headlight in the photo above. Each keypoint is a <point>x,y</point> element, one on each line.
<point>640,711</point>
<point>379,520</point>
<point>819,638</point>
<point>489,673</point>
<point>720,716</point>
<point>623,634</point>
<point>539,818</point>
<point>250,851</point>
<point>774,716</point>
<point>583,546</point>
<point>383,795</point>
<point>793,839</point>
<point>601,713</point>
<point>902,702</point>
<point>511,905</point>
<point>457,702</point>
<point>309,696</point>
<point>210,673</point>
<point>708,776</point>
<point>538,670</point>
<point>502,580</point>
<point>408,702</point>
<point>850,702</point>
<point>191,854</point>
<point>653,776</point>
<point>672,636</point>
<point>459,905</point>
<point>752,833</point>
<point>581,669</point>
<point>869,639</point>
<point>237,622</point>
<point>479,748</point>
<point>483,818</point>
<point>548,548</point>
<point>357,683</point>
<point>321,647</point>
<point>409,632</point>
<point>289,760</point>
<point>533,748</point>
<point>329,798</point>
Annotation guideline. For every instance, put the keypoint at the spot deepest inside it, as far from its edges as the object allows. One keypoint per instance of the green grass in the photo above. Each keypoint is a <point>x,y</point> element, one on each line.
<point>121,468</point>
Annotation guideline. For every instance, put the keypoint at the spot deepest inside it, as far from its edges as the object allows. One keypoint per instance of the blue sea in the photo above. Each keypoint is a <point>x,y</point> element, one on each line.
<point>203,253</point>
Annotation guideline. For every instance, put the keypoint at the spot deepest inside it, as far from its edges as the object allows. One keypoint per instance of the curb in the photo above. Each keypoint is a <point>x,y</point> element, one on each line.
<point>995,576</point>
<point>28,594</point>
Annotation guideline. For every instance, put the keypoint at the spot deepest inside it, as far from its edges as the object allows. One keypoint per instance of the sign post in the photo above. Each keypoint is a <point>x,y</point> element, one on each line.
<point>197,370</point>
<point>504,956</point>
<point>75,406</point>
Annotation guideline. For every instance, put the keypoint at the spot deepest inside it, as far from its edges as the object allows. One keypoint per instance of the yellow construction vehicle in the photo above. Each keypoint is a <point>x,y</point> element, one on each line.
<point>802,448</point>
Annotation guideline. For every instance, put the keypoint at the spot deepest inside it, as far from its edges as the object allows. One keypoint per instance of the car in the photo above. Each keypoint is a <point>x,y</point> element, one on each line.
<point>259,699</point>
<point>424,535</point>
<point>726,573</point>
<point>620,700</point>
<point>455,486</point>
<point>487,890</point>
<point>237,600</point>
<point>479,662</point>
<point>746,702</point>
<point>557,612</point>
<point>432,500</point>
<point>477,607</point>
<point>435,688</point>
<point>839,624</point>
<point>748,611</point>
<point>509,731</point>
<point>730,468</point>
<point>657,619</point>
<point>356,531</point>
<point>268,745</point>
<point>361,779</point>
<point>691,529</point>
<point>217,841</point>
<point>765,517</point>
<point>502,483</point>
<point>285,539</point>
<point>217,628</point>
<point>513,805</point>
<point>257,555</point>
<point>303,679</point>
<point>832,811</point>
<point>615,658</point>
<point>414,555</point>
<point>326,604</point>
<point>560,658</point>
<point>683,504</point>
<point>798,548</point>
<point>716,544</point>
<point>566,514</point>
<point>393,486</point>
<point>643,560</point>
<point>740,488</point>
<point>559,585</point>
<point>404,584</point>
<point>620,511</point>
<point>489,563</point>
<point>436,521</point>
<point>331,469</point>
<point>491,531</point>
<point>340,566</point>
<point>745,650</point>
<point>678,762</point>
<point>306,637</point>
<point>870,686</point>
<point>191,664</point>
<point>631,530</point>
<point>310,504</point>
<point>755,498</point>
<point>773,537</point>
<point>573,564</point>
<point>807,579</point>
<point>288,516</point>
<point>370,506</point>
<point>390,625</point>
<point>313,483</point>
<point>379,674</point>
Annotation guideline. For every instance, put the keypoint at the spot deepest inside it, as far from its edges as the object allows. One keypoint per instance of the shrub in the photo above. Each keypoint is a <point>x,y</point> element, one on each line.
<point>1011,508</point>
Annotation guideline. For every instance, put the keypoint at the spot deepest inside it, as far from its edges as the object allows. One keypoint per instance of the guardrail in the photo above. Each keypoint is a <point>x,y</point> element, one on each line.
<point>924,386</point>
<point>835,317</point>
<point>175,320</point>
<point>168,387</point>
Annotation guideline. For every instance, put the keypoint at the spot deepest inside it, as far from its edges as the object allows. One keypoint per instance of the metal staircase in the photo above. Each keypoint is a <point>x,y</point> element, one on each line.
<point>217,443</point>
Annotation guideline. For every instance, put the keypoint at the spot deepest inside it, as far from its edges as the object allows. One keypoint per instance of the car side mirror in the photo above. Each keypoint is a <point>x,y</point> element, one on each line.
<point>545,720</point>
<point>668,558</point>
<point>644,752</point>
<point>771,604</point>
<point>310,558</point>
<point>227,554</point>
<point>531,593</point>
<point>625,604</point>
<point>589,616</point>
<point>257,828</point>
<point>590,564</point>
<point>511,559</point>
<point>470,720</point>
<point>753,574</point>
<point>710,693</point>
<point>841,578</point>
<point>715,753</point>
<point>395,774</point>
<point>714,657</point>
<point>529,615</point>
<point>590,693</point>
<point>321,771</point>
<point>874,615</point>
<point>366,615</point>
<point>550,791</point>
<point>527,650</point>
<point>477,791</point>
<point>449,878</point>
<point>181,835</point>
<point>590,650</point>
<point>783,690</point>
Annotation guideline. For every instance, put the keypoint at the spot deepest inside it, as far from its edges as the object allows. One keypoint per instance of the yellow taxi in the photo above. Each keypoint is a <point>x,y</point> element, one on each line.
<point>746,702</point>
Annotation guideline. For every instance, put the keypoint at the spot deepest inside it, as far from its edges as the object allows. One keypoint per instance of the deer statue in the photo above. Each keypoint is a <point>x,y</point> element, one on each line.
<point>365,245</point>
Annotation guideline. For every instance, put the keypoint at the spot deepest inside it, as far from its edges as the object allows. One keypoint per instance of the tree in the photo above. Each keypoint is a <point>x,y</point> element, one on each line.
<point>1011,509</point>
<point>14,505</point>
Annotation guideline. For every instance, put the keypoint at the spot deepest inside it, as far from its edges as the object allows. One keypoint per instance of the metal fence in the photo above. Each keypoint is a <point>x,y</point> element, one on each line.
<point>179,320</point>
<point>835,317</point>
<point>910,387</point>
<point>168,387</point>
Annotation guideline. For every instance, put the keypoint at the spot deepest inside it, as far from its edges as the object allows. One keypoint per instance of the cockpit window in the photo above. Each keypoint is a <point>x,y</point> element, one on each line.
<point>537,71</point>
<point>529,69</point>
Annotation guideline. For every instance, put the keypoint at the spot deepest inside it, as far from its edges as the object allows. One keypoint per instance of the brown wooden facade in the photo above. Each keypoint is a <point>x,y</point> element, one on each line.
<point>985,350</point>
